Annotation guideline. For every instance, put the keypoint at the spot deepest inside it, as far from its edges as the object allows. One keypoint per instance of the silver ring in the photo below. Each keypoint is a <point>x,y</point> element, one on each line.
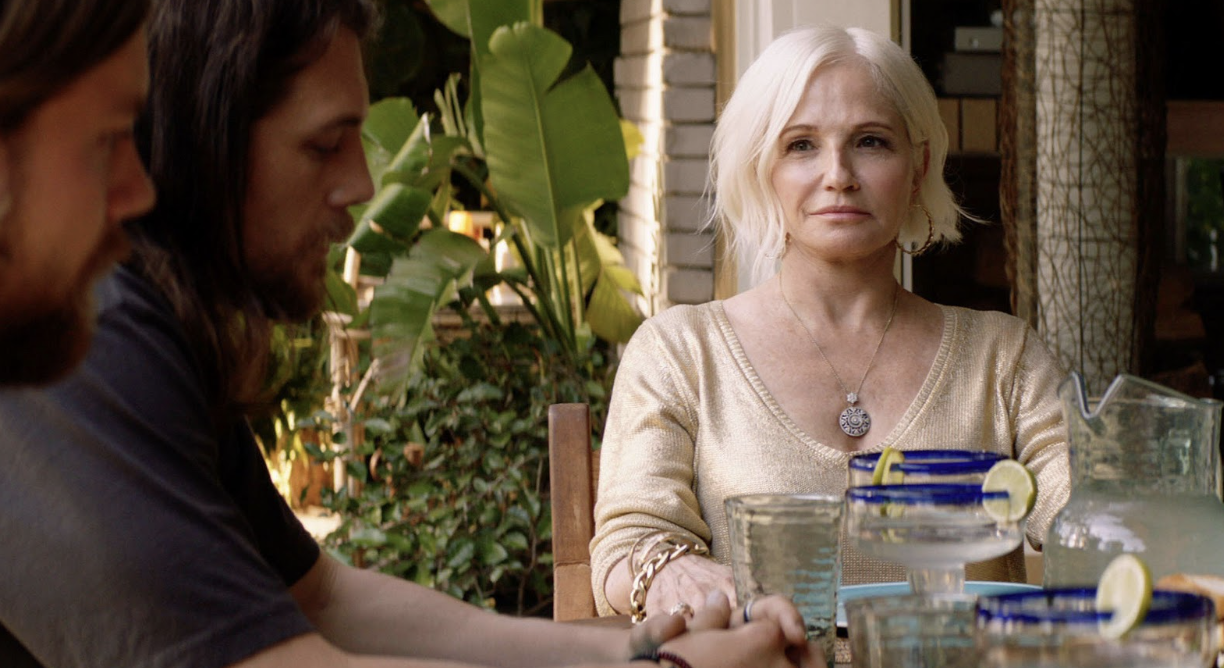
<point>748,611</point>
<point>681,608</point>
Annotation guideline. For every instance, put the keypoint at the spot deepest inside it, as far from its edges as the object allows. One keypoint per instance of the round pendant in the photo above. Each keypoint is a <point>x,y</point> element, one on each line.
<point>855,421</point>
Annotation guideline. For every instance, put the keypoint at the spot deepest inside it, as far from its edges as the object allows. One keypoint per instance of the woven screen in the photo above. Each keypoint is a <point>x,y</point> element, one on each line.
<point>1082,193</point>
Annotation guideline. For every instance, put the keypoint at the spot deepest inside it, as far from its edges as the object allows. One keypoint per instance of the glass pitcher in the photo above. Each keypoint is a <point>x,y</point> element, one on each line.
<point>1144,479</point>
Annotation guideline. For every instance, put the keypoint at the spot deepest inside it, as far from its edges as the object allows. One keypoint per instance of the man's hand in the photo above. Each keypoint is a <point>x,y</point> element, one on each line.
<point>760,644</point>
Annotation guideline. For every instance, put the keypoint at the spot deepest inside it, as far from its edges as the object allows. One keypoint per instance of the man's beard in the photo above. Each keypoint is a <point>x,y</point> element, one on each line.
<point>289,296</point>
<point>45,347</point>
<point>294,288</point>
<point>41,347</point>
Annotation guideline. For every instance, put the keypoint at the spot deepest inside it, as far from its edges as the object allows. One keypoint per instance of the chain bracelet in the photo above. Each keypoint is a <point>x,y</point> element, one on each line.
<point>645,576</point>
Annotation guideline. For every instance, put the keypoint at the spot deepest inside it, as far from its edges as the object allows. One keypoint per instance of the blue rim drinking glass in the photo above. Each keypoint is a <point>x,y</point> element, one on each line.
<point>928,466</point>
<point>932,530</point>
<point>1061,627</point>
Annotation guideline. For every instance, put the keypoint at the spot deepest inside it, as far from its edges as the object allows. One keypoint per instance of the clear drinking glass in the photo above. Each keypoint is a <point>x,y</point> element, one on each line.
<point>914,631</point>
<point>928,466</point>
<point>933,530</point>
<point>788,544</point>
<point>1056,628</point>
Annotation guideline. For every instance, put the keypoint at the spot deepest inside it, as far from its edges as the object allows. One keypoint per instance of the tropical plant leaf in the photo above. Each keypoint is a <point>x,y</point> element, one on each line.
<point>552,148</point>
<point>453,14</point>
<point>486,16</point>
<point>341,297</point>
<point>401,313</point>
<point>390,122</point>
<point>633,138</point>
<point>610,314</point>
<point>411,155</point>
<point>387,226</point>
<point>384,131</point>
<point>398,211</point>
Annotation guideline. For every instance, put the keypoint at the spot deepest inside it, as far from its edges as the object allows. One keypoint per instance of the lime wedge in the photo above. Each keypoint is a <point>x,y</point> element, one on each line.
<point>1125,590</point>
<point>883,474</point>
<point>1010,476</point>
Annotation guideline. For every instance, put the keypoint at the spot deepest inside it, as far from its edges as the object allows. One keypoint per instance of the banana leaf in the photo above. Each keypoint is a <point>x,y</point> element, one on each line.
<point>552,147</point>
<point>609,311</point>
<point>390,122</point>
<point>403,307</point>
<point>468,18</point>
<point>387,225</point>
<point>476,20</point>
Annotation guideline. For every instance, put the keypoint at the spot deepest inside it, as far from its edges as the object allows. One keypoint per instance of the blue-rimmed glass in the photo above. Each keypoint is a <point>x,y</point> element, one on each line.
<point>913,631</point>
<point>1060,627</point>
<point>932,530</point>
<point>928,466</point>
<point>788,544</point>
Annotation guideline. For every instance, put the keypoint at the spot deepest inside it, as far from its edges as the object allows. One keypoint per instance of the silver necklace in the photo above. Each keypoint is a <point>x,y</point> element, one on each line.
<point>854,420</point>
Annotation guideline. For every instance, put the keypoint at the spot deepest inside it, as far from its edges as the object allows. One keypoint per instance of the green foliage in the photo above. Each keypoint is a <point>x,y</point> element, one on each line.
<point>298,374</point>
<point>448,466</point>
<point>1205,214</point>
<point>543,151</point>
<point>472,518</point>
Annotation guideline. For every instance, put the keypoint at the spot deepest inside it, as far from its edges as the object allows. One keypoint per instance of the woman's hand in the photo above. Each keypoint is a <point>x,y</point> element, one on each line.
<point>689,580</point>
<point>779,610</point>
<point>774,619</point>
<point>716,639</point>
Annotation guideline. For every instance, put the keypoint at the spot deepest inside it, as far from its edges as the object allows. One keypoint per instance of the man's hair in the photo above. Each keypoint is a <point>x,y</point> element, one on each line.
<point>745,146</point>
<point>45,44</point>
<point>216,67</point>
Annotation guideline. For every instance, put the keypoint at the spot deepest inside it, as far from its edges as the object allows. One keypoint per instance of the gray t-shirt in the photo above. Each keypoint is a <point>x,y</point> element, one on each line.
<point>133,532</point>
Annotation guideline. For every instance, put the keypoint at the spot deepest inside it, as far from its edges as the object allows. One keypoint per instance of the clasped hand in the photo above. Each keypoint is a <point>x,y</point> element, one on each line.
<point>715,636</point>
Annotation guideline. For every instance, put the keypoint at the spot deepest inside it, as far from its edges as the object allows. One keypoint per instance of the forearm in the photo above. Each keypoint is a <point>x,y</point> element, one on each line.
<point>369,613</point>
<point>314,651</point>
<point>617,587</point>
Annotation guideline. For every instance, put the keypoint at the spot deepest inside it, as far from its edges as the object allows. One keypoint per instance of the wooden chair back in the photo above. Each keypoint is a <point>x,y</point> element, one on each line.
<point>574,474</point>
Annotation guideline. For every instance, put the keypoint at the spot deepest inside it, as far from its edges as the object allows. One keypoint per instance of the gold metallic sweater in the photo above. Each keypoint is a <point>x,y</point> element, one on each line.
<point>691,424</point>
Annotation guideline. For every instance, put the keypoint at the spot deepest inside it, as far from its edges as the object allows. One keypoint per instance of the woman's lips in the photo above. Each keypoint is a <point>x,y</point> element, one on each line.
<point>841,213</point>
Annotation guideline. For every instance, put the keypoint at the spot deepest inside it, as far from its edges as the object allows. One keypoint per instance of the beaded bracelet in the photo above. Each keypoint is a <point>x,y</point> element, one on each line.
<point>659,655</point>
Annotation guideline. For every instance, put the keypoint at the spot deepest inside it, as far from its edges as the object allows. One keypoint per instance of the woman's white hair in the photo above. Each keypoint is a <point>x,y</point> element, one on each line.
<point>745,145</point>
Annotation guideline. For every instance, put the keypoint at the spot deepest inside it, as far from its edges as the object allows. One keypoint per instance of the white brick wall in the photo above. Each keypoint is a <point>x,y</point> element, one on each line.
<point>637,10</point>
<point>665,81</point>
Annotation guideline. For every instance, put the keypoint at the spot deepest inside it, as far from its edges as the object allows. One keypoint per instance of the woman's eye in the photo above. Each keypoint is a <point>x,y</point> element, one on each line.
<point>873,141</point>
<point>799,145</point>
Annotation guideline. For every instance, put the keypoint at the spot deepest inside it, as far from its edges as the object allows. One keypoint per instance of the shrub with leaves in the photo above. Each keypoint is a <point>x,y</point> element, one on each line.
<point>453,480</point>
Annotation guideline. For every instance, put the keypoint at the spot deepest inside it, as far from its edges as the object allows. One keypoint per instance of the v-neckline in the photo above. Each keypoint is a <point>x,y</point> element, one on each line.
<point>934,375</point>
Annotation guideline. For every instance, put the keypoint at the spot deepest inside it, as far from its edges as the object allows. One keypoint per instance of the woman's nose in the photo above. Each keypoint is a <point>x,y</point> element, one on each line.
<point>839,171</point>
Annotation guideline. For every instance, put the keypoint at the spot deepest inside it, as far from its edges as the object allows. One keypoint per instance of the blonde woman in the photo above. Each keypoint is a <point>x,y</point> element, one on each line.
<point>827,161</point>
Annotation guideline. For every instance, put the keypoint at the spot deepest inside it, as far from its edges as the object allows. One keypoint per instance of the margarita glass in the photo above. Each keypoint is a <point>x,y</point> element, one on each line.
<point>927,466</point>
<point>1053,628</point>
<point>932,530</point>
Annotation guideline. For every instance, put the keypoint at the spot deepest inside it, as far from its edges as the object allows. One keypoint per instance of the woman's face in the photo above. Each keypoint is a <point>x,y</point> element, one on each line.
<point>846,173</point>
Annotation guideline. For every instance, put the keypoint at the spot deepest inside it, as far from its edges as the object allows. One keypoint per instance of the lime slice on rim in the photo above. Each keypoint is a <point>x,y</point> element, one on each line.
<point>1125,590</point>
<point>883,474</point>
<point>1009,475</point>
